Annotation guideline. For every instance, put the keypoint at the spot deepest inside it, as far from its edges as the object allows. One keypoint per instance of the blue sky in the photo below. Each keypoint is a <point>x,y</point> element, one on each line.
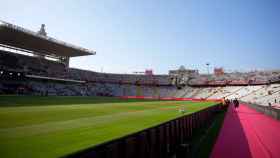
<point>134,35</point>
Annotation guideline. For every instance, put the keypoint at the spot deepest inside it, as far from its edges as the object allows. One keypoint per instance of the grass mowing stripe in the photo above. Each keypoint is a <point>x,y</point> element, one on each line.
<point>56,130</point>
<point>75,123</point>
<point>13,117</point>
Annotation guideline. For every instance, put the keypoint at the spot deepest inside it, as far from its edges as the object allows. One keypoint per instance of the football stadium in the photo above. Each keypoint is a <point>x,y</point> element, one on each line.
<point>49,109</point>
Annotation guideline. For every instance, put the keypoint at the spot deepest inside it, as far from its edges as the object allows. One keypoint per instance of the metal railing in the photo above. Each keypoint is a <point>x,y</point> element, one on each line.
<point>267,110</point>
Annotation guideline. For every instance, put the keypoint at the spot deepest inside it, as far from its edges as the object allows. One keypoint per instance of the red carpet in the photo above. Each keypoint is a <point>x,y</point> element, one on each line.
<point>247,133</point>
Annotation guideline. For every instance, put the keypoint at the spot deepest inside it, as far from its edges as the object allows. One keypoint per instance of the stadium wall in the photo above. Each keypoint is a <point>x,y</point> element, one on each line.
<point>273,110</point>
<point>170,98</point>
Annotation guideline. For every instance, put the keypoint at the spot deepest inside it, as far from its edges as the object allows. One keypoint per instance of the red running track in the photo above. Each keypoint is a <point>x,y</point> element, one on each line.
<point>247,133</point>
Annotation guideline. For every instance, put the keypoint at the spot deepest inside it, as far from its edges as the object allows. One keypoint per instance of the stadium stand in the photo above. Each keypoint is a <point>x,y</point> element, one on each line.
<point>29,68</point>
<point>224,92</point>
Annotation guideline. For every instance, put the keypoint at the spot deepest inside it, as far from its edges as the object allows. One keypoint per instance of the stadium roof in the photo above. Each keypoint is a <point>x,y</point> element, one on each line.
<point>19,37</point>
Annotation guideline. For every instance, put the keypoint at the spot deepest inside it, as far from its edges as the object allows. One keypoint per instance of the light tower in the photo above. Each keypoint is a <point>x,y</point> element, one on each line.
<point>208,64</point>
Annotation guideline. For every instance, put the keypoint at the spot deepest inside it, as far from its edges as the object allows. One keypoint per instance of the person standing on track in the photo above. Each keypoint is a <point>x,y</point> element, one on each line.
<point>236,103</point>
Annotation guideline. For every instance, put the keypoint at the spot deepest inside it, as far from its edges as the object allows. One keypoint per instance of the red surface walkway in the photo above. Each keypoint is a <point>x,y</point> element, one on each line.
<point>247,133</point>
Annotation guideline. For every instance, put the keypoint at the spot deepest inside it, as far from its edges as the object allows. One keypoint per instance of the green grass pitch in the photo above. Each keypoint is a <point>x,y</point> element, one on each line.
<point>55,126</point>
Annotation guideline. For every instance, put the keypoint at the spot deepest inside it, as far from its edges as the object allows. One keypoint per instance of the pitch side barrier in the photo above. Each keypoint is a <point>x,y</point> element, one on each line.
<point>166,140</point>
<point>170,98</point>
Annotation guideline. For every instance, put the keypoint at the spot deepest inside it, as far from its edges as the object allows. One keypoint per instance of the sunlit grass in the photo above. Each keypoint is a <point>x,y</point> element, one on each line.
<point>55,126</point>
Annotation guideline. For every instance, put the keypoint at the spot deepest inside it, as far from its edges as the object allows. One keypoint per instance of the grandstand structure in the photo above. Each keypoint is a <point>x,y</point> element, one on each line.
<point>38,44</point>
<point>33,63</point>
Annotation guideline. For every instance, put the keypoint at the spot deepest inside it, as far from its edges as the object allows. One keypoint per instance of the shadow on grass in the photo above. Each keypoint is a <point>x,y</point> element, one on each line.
<point>10,101</point>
